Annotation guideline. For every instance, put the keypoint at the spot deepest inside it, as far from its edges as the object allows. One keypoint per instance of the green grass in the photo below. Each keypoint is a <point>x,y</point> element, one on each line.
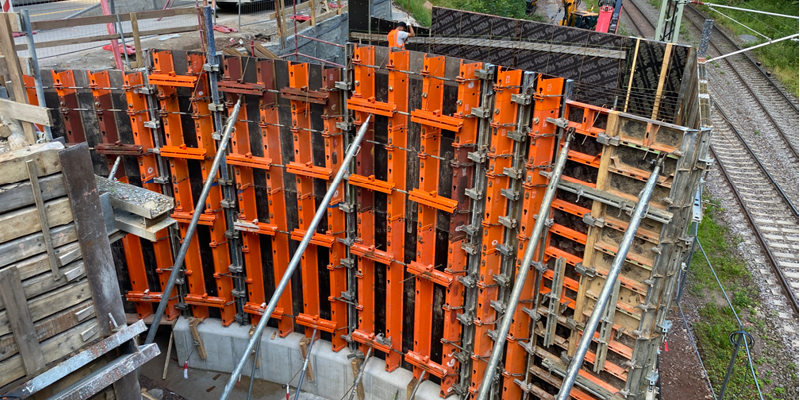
<point>717,320</point>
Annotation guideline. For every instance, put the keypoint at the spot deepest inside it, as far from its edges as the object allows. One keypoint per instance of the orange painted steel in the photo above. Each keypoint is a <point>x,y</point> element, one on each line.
<point>546,104</point>
<point>64,83</point>
<point>276,199</point>
<point>244,161</point>
<point>499,157</point>
<point>305,173</point>
<point>363,103</point>
<point>179,171</point>
<point>429,201</point>
<point>334,149</point>
<point>148,171</point>
<point>396,204</point>
<point>30,90</point>
<point>204,129</point>
<point>463,176</point>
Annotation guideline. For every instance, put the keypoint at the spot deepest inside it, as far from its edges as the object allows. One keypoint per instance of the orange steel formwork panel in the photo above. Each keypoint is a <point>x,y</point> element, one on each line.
<point>305,172</point>
<point>148,171</point>
<point>170,111</point>
<point>487,137</point>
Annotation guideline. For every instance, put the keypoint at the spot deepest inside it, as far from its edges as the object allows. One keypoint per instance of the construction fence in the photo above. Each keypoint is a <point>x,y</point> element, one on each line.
<point>420,246</point>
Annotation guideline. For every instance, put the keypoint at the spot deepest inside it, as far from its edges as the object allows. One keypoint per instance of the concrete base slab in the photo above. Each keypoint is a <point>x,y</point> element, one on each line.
<point>281,361</point>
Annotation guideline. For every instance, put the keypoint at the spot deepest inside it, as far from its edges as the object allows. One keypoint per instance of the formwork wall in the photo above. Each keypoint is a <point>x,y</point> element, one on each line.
<point>417,252</point>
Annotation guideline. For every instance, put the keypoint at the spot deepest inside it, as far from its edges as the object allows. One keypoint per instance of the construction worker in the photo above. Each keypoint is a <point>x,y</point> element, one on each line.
<point>398,36</point>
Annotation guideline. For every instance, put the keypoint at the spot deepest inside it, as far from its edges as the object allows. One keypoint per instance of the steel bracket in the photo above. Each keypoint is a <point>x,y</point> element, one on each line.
<point>344,126</point>
<point>437,120</point>
<point>508,222</point>
<point>513,173</point>
<point>591,221</point>
<point>473,194</point>
<point>429,273</point>
<point>480,112</point>
<point>470,248</point>
<point>305,95</point>
<point>559,122</point>
<point>152,124</point>
<point>249,161</point>
<point>510,194</point>
<point>369,182</point>
<point>604,139</point>
<point>432,199</point>
<point>119,149</point>
<point>470,230</point>
<point>309,170</point>
<point>370,252</point>
<point>184,152</point>
<point>521,99</point>
<point>370,106</point>
<point>587,272</point>
<point>343,85</point>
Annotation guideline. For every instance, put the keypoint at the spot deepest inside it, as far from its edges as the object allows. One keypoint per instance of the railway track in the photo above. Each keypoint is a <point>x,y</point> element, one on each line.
<point>763,92</point>
<point>768,210</point>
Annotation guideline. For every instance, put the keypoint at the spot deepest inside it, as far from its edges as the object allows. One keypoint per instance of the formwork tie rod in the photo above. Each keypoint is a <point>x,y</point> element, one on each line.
<point>519,282</point>
<point>298,254</point>
<point>198,211</point>
<point>608,286</point>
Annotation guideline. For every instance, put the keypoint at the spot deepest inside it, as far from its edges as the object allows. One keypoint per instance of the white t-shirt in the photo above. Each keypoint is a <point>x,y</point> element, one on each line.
<point>401,38</point>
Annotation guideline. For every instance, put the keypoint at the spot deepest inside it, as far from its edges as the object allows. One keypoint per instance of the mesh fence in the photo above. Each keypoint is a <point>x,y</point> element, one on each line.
<point>52,38</point>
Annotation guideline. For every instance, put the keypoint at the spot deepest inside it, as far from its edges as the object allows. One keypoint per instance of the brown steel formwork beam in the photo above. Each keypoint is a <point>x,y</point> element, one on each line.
<point>148,172</point>
<point>166,80</point>
<point>305,172</point>
<point>334,151</point>
<point>364,178</point>
<point>213,213</point>
<point>64,83</point>
<point>100,85</point>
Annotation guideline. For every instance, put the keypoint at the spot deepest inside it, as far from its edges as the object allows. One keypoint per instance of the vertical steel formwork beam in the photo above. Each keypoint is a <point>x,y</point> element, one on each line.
<point>474,231</point>
<point>430,117</point>
<point>271,139</point>
<point>305,172</point>
<point>333,113</point>
<point>244,162</point>
<point>363,103</point>
<point>364,74</point>
<point>148,172</point>
<point>64,83</point>
<point>396,204</point>
<point>174,149</point>
<point>499,154</point>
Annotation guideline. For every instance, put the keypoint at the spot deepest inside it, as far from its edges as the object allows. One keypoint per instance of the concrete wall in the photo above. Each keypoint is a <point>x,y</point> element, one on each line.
<point>332,30</point>
<point>280,360</point>
<point>382,9</point>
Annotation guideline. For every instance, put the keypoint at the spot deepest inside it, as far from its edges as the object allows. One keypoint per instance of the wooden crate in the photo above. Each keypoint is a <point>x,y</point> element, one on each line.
<point>46,307</point>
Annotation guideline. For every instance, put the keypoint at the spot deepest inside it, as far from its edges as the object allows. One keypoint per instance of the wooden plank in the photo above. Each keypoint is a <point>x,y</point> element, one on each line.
<point>26,221</point>
<point>45,283</point>
<point>14,71</point>
<point>201,348</point>
<point>102,277</point>
<point>313,11</point>
<point>51,303</point>
<point>662,77</point>
<point>290,11</point>
<point>105,19</point>
<point>13,167</point>
<point>633,69</point>
<point>32,245</point>
<point>19,318</point>
<point>26,112</point>
<point>49,327</point>
<point>137,42</point>
<point>304,353</point>
<point>45,220</point>
<point>100,38</point>
<point>18,195</point>
<point>53,350</point>
<point>39,264</point>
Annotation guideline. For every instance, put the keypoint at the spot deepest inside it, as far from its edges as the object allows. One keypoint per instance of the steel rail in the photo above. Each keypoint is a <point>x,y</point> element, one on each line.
<point>758,161</point>
<point>755,64</point>
<point>736,72</point>
<point>298,254</point>
<point>761,239</point>
<point>643,16</point>
<point>198,211</point>
<point>637,216</point>
<point>519,281</point>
